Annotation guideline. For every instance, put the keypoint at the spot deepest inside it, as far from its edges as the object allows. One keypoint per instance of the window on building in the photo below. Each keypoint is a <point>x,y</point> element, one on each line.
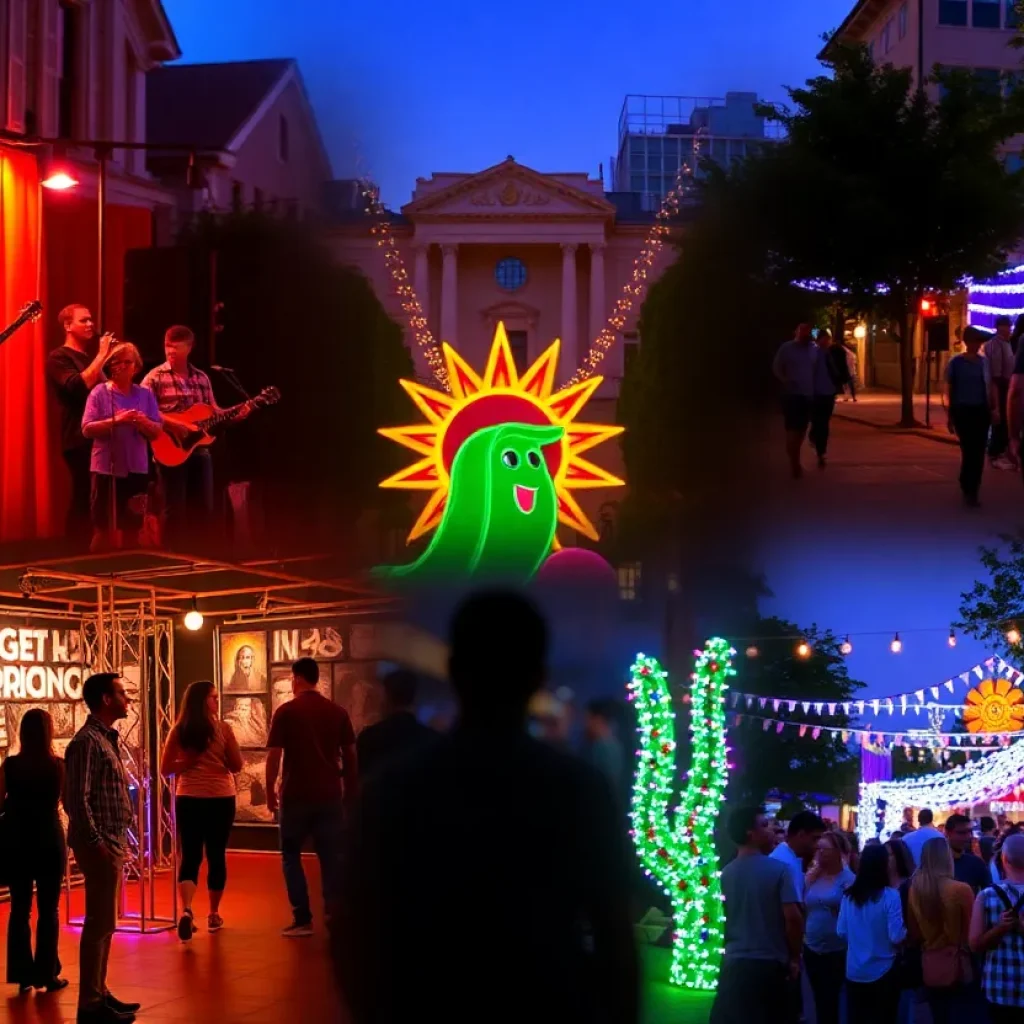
<point>282,139</point>
<point>630,350</point>
<point>66,97</point>
<point>510,274</point>
<point>630,577</point>
<point>1011,14</point>
<point>518,343</point>
<point>637,160</point>
<point>953,12</point>
<point>637,183</point>
<point>885,41</point>
<point>990,80</point>
<point>985,13</point>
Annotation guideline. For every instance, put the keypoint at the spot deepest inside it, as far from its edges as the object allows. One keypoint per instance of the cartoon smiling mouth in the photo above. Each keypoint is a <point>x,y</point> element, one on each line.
<point>526,497</point>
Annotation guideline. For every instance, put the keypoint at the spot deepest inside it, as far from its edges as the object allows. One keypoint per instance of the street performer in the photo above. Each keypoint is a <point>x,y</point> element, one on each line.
<point>188,488</point>
<point>73,370</point>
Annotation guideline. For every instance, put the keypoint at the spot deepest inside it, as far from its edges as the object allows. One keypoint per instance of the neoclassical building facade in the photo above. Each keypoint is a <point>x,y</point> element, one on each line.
<point>546,254</point>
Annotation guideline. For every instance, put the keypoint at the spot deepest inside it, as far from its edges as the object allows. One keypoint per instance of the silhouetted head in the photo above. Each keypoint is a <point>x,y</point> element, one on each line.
<point>305,675</point>
<point>925,816</point>
<point>498,649</point>
<point>36,734</point>
<point>973,340</point>
<point>399,689</point>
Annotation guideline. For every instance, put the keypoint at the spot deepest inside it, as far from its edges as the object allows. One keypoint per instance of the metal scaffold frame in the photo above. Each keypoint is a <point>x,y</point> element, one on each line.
<point>138,644</point>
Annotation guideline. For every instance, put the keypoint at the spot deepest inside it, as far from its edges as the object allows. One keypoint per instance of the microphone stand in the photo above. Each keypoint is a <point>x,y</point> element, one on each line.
<point>229,376</point>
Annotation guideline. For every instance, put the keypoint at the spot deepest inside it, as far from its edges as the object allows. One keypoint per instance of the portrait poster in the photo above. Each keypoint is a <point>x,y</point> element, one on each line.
<point>130,728</point>
<point>63,716</point>
<point>358,690</point>
<point>251,782</point>
<point>249,717</point>
<point>243,662</point>
<point>281,686</point>
<point>363,641</point>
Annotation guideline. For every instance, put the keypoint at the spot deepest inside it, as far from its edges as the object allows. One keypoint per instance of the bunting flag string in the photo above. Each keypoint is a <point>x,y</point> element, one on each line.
<point>899,703</point>
<point>882,737</point>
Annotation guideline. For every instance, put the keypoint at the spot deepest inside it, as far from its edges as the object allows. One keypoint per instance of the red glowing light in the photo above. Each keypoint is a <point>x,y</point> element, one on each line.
<point>59,181</point>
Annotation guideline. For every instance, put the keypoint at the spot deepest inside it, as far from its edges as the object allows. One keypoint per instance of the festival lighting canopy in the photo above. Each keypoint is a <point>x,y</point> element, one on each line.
<point>499,457</point>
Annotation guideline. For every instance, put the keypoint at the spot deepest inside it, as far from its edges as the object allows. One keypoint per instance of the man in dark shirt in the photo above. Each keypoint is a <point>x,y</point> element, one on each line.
<point>967,867</point>
<point>987,839</point>
<point>488,855</point>
<point>312,733</point>
<point>73,370</point>
<point>399,733</point>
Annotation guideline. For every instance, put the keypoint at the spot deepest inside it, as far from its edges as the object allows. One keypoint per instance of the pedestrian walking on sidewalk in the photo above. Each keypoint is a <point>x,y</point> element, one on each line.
<point>831,374</point>
<point>794,367</point>
<point>999,354</point>
<point>973,404</point>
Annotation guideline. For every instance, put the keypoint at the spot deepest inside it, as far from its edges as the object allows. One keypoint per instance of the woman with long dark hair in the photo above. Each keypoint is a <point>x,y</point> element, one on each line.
<point>30,787</point>
<point>203,754</point>
<point>824,950</point>
<point>871,921</point>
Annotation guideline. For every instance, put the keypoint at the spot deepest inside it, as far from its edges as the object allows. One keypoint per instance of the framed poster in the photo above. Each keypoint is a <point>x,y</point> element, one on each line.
<point>251,806</point>
<point>243,662</point>
<point>358,691</point>
<point>249,718</point>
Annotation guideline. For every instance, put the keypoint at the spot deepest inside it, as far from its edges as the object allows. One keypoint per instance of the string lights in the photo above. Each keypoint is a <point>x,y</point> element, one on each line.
<point>635,288</point>
<point>677,847</point>
<point>414,313</point>
<point>802,647</point>
<point>882,803</point>
<point>1001,296</point>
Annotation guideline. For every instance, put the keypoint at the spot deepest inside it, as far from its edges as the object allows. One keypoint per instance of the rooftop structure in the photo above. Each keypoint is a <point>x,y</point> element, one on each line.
<point>659,133</point>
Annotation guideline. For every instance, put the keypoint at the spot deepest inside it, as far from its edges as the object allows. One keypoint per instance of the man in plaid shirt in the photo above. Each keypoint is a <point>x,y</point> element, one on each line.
<point>99,813</point>
<point>998,931</point>
<point>187,489</point>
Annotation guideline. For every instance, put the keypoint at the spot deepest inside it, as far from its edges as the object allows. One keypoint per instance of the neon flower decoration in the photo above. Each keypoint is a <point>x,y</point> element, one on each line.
<point>994,705</point>
<point>677,846</point>
<point>499,457</point>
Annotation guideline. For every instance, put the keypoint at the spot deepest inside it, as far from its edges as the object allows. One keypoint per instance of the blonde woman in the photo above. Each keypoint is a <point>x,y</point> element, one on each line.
<point>824,950</point>
<point>940,920</point>
<point>120,418</point>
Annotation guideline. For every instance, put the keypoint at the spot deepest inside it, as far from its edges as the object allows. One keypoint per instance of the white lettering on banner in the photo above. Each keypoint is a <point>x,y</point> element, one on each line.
<point>40,646</point>
<point>286,645</point>
<point>39,682</point>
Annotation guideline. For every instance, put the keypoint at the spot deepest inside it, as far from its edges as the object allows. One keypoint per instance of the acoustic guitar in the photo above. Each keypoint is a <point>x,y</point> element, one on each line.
<point>169,450</point>
<point>30,311</point>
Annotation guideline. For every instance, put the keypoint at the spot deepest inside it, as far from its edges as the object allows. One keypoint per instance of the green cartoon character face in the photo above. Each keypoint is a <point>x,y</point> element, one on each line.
<point>502,509</point>
<point>524,473</point>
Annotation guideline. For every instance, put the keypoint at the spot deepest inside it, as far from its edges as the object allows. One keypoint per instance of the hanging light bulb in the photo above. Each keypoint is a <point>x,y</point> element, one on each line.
<point>752,651</point>
<point>803,649</point>
<point>846,647</point>
<point>1013,636</point>
<point>897,644</point>
<point>194,617</point>
<point>952,639</point>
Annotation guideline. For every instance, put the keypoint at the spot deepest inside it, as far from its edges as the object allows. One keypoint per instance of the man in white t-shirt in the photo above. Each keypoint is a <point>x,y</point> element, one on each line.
<point>805,829</point>
<point>914,841</point>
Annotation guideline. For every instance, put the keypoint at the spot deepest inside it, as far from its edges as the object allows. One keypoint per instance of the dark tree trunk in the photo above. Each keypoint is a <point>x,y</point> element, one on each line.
<point>908,324</point>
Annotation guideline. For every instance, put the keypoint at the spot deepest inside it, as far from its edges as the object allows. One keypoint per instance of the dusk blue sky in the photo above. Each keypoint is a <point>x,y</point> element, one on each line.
<point>412,88</point>
<point>417,88</point>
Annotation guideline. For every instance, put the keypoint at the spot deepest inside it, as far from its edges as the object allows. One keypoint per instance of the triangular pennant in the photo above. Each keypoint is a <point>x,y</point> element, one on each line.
<point>815,734</point>
<point>860,707</point>
<point>762,701</point>
<point>949,686</point>
<point>806,706</point>
<point>792,705</point>
<point>845,736</point>
<point>767,722</point>
<point>817,707</point>
<point>779,726</point>
<point>831,709</point>
<point>979,671</point>
<point>935,692</point>
<point>775,704</point>
<point>888,704</point>
<point>919,694</point>
<point>750,702</point>
<point>874,705</point>
<point>803,730</point>
<point>903,702</point>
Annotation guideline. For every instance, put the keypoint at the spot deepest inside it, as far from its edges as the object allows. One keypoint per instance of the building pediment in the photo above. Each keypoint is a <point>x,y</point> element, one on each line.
<point>510,310</point>
<point>508,191</point>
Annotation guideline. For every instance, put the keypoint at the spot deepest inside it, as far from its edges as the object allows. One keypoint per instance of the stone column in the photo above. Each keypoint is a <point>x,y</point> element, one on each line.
<point>421,278</point>
<point>598,312</point>
<point>449,294</point>
<point>568,359</point>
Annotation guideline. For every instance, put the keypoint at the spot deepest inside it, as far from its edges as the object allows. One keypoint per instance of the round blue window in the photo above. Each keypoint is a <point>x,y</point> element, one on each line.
<point>510,273</point>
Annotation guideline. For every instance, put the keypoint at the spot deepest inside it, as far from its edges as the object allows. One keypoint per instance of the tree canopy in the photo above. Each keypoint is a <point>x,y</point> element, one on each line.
<point>885,191</point>
<point>798,766</point>
<point>294,317</point>
<point>992,608</point>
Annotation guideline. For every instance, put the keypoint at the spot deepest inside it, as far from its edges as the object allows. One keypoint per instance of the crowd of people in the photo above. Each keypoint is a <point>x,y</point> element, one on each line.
<point>418,835</point>
<point>984,396</point>
<point>930,918</point>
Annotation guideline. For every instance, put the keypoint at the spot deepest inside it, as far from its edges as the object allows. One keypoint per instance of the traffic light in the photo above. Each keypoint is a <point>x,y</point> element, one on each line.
<point>928,306</point>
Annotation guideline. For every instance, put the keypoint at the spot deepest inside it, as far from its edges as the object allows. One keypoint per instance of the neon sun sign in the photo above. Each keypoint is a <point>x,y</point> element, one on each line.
<point>499,457</point>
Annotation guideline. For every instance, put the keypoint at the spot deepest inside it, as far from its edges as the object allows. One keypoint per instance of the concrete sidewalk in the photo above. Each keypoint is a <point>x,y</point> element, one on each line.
<point>881,409</point>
